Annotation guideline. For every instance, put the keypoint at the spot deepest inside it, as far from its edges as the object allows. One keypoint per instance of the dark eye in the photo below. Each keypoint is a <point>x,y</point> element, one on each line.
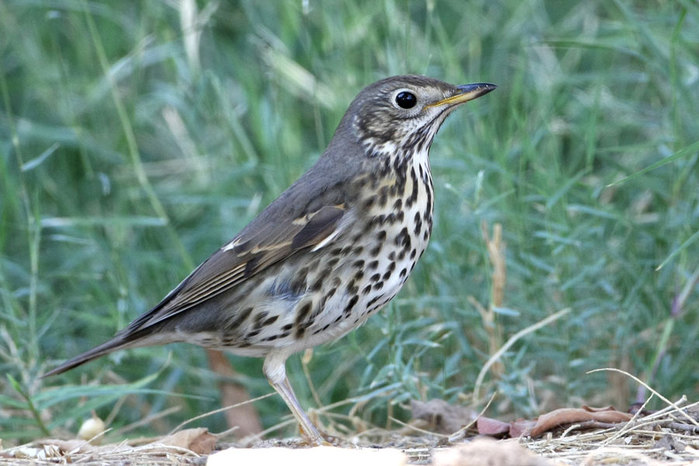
<point>405,99</point>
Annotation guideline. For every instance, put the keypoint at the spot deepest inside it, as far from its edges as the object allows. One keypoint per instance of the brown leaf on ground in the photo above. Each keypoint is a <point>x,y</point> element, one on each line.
<point>521,427</point>
<point>197,440</point>
<point>492,427</point>
<point>483,451</point>
<point>564,416</point>
<point>441,417</point>
<point>495,428</point>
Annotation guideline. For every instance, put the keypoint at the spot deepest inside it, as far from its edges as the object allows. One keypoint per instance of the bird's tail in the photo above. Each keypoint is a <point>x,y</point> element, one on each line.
<point>117,343</point>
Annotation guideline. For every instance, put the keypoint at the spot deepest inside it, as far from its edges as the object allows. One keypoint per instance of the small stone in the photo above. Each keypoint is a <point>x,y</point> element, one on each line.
<point>91,429</point>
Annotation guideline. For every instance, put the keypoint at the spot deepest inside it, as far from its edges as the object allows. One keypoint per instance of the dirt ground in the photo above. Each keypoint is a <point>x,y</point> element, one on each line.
<point>669,436</point>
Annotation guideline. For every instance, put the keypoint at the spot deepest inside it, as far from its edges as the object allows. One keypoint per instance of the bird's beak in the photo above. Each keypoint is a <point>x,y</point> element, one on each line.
<point>465,93</point>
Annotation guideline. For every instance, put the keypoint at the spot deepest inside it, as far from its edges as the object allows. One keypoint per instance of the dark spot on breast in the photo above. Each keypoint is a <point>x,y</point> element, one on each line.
<point>301,328</point>
<point>413,195</point>
<point>403,238</point>
<point>262,321</point>
<point>358,264</point>
<point>303,312</point>
<point>269,321</point>
<point>430,189</point>
<point>418,223</point>
<point>403,273</point>
<point>333,262</point>
<point>386,275</point>
<point>240,318</point>
<point>352,287</point>
<point>373,265</point>
<point>318,284</point>
<point>350,304</point>
<point>383,196</point>
<point>376,277</point>
<point>386,167</point>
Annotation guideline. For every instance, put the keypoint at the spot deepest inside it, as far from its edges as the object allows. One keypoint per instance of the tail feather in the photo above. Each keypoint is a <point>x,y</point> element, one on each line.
<point>117,343</point>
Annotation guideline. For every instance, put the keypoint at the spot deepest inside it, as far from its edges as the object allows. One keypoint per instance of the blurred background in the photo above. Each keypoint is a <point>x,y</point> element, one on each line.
<point>137,137</point>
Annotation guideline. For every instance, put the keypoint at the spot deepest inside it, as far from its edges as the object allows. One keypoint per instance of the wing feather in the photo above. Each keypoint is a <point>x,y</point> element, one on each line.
<point>247,255</point>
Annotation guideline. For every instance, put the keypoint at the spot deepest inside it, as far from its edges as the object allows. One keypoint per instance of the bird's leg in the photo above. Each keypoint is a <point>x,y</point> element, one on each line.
<point>308,429</point>
<point>275,371</point>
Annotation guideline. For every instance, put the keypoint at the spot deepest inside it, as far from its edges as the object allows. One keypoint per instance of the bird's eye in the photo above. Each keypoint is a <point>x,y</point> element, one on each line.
<point>406,99</point>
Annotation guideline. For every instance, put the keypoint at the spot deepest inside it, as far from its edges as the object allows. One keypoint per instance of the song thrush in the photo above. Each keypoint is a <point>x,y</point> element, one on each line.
<point>329,252</point>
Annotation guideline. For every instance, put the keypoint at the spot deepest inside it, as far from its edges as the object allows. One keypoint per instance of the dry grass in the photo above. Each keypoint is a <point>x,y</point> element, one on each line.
<point>664,437</point>
<point>668,436</point>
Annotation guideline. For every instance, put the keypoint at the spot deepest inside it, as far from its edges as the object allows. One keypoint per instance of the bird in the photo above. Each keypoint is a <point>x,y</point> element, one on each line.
<point>329,252</point>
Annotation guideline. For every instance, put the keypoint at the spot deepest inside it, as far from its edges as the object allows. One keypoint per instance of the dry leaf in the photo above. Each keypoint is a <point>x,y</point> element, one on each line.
<point>565,416</point>
<point>492,427</point>
<point>521,427</point>
<point>198,440</point>
<point>495,428</point>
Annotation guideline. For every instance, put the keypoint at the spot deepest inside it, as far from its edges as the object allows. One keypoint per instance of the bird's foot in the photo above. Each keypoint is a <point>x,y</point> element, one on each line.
<point>317,438</point>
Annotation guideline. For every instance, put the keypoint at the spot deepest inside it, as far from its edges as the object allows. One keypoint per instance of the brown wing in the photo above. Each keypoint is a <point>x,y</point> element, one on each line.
<point>247,254</point>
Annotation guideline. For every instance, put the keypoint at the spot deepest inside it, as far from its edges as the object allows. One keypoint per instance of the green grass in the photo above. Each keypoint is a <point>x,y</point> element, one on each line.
<point>127,156</point>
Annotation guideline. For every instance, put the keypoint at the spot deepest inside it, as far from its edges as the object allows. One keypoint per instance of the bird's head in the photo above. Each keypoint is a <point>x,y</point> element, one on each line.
<point>406,111</point>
